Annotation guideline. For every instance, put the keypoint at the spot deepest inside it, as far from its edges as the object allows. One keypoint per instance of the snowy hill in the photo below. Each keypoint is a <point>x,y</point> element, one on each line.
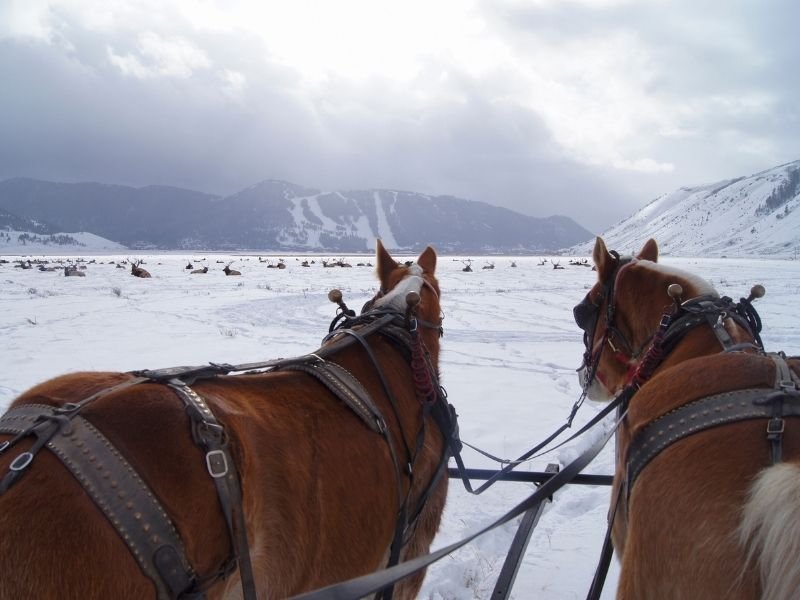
<point>25,243</point>
<point>748,216</point>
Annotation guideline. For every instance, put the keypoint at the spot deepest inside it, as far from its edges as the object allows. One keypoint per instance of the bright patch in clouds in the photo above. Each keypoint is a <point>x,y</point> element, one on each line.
<point>160,57</point>
<point>358,39</point>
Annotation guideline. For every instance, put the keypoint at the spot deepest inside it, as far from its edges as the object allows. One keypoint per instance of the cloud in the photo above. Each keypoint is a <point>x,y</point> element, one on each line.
<point>587,108</point>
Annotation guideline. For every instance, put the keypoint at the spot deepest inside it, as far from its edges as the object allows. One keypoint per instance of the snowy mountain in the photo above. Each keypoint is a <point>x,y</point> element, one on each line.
<point>25,243</point>
<point>748,216</point>
<point>281,216</point>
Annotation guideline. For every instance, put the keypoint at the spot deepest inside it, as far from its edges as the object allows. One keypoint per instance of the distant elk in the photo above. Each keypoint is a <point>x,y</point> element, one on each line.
<point>203,270</point>
<point>71,271</point>
<point>557,265</point>
<point>189,266</point>
<point>229,271</point>
<point>468,265</point>
<point>137,271</point>
<point>488,265</point>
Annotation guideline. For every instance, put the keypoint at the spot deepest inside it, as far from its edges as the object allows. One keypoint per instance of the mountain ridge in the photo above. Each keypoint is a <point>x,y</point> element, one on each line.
<point>275,215</point>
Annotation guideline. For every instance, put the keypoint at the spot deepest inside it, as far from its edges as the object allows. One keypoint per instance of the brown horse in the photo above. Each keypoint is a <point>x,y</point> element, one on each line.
<point>706,497</point>
<point>325,495</point>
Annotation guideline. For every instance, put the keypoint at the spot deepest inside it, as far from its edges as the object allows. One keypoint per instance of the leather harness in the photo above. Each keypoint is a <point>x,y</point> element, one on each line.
<point>133,508</point>
<point>720,409</point>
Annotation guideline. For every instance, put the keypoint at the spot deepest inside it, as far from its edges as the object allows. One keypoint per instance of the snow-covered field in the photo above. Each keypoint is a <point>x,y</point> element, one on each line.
<point>509,353</point>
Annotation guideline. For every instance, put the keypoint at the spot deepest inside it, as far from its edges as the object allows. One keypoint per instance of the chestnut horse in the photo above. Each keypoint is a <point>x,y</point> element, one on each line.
<point>325,495</point>
<point>706,495</point>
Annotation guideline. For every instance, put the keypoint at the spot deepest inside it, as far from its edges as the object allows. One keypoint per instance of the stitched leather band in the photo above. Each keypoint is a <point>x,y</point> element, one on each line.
<point>122,496</point>
<point>697,416</point>
<point>347,388</point>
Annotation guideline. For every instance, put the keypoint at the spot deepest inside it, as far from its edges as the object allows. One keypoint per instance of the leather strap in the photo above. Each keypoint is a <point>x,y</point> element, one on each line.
<point>343,384</point>
<point>122,496</point>
<point>210,435</point>
<point>705,413</point>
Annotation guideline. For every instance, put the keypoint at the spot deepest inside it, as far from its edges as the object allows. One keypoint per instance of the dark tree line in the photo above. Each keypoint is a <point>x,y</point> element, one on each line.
<point>781,194</point>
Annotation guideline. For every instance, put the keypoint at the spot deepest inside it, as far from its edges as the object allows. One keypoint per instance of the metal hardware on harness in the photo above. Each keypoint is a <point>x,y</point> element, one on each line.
<point>21,462</point>
<point>217,463</point>
<point>776,426</point>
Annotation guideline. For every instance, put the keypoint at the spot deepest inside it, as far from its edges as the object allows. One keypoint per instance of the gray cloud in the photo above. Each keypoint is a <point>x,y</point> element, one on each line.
<point>216,110</point>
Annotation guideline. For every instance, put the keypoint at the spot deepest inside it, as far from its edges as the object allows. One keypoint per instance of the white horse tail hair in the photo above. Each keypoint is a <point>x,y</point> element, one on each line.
<point>770,530</point>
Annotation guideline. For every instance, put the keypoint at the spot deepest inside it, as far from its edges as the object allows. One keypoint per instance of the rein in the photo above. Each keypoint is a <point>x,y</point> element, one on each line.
<point>374,582</point>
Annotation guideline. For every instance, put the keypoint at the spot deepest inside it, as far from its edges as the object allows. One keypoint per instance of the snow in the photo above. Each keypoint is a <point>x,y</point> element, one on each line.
<point>86,242</point>
<point>508,362</point>
<point>719,219</point>
<point>384,230</point>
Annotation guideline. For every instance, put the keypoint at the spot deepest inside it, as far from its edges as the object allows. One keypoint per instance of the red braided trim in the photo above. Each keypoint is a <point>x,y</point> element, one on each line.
<point>423,382</point>
<point>650,361</point>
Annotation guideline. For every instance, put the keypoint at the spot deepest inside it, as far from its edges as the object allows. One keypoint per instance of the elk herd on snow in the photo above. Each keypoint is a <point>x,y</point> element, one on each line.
<point>77,267</point>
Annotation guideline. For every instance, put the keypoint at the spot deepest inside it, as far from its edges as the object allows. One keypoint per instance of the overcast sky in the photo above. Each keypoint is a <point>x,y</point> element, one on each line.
<point>586,108</point>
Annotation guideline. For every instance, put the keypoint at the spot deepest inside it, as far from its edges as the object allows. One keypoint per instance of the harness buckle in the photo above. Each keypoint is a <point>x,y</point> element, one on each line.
<point>216,463</point>
<point>4,445</point>
<point>775,426</point>
<point>21,462</point>
<point>413,325</point>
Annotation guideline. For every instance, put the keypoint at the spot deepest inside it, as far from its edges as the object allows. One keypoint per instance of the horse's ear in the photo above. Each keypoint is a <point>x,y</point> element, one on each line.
<point>427,260</point>
<point>386,264</point>
<point>604,261</point>
<point>649,251</point>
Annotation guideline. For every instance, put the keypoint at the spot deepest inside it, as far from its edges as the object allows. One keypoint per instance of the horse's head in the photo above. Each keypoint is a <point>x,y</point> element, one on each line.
<point>413,286</point>
<point>621,313</point>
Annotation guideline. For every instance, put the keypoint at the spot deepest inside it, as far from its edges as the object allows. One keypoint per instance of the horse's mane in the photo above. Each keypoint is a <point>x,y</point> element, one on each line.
<point>702,286</point>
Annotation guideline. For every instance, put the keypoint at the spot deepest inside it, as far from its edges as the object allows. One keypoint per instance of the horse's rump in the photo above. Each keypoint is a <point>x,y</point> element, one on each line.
<point>691,497</point>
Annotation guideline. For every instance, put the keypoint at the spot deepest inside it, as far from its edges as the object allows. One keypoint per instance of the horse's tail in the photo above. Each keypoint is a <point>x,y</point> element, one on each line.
<point>770,530</point>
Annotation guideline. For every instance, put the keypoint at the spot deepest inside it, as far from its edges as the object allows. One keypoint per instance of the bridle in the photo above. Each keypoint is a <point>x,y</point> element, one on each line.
<point>675,323</point>
<point>587,314</point>
<point>347,316</point>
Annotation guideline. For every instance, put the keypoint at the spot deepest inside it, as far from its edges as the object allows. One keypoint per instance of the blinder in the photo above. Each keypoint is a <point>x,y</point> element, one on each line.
<point>585,314</point>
